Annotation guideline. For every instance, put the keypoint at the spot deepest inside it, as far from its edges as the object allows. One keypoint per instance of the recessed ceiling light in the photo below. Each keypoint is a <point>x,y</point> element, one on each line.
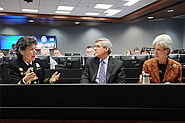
<point>30,10</point>
<point>95,14</point>
<point>103,6</point>
<point>77,23</point>
<point>112,12</point>
<point>30,21</point>
<point>66,8</point>
<point>150,17</point>
<point>62,12</point>
<point>1,9</point>
<point>170,10</point>
<point>130,2</point>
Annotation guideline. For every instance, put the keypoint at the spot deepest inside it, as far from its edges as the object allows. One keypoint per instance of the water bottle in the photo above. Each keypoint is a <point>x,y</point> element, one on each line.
<point>146,78</point>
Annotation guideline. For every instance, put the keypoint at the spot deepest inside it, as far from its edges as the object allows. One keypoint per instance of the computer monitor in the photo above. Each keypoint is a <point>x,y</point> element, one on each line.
<point>182,58</point>
<point>73,62</point>
<point>139,60</point>
<point>1,60</point>
<point>72,53</point>
<point>85,58</point>
<point>141,57</point>
<point>55,58</point>
<point>181,51</point>
<point>45,59</point>
<point>174,57</point>
<point>7,59</point>
<point>61,60</point>
<point>151,56</point>
<point>128,60</point>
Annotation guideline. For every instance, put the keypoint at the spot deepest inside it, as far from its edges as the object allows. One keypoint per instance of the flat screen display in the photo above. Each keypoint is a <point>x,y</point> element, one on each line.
<point>44,41</point>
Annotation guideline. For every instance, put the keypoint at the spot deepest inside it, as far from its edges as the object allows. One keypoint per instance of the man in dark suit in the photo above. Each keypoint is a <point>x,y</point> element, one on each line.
<point>26,69</point>
<point>102,68</point>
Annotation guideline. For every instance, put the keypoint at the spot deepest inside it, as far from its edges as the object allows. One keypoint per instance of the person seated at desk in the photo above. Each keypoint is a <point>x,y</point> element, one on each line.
<point>89,51</point>
<point>57,53</point>
<point>102,68</point>
<point>128,52</point>
<point>13,48</point>
<point>2,54</point>
<point>26,69</point>
<point>144,52</point>
<point>53,63</point>
<point>162,69</point>
<point>136,51</point>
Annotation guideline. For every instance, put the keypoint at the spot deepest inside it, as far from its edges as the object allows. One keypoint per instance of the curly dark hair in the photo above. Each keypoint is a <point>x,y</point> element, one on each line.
<point>23,43</point>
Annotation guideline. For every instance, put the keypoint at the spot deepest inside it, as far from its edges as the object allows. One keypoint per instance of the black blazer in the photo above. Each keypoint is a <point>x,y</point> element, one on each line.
<point>115,71</point>
<point>17,70</point>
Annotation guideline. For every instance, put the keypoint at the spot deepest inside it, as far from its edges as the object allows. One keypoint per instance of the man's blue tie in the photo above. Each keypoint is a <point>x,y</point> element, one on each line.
<point>102,76</point>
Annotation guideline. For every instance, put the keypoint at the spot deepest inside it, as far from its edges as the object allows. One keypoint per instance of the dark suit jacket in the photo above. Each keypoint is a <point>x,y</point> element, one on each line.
<point>115,71</point>
<point>17,70</point>
<point>172,74</point>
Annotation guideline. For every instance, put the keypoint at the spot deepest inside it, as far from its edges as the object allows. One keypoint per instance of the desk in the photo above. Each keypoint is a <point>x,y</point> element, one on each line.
<point>93,102</point>
<point>67,76</point>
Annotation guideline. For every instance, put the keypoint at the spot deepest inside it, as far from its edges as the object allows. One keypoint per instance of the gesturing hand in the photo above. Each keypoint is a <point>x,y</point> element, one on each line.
<point>55,77</point>
<point>29,76</point>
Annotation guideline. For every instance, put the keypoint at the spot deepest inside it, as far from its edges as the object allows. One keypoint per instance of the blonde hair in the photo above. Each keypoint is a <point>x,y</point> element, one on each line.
<point>127,52</point>
<point>165,41</point>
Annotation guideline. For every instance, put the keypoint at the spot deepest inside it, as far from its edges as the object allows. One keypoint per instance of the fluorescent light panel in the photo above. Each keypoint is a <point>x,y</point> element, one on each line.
<point>112,12</point>
<point>95,14</point>
<point>30,10</point>
<point>66,8</point>
<point>62,12</point>
<point>103,6</point>
<point>130,2</point>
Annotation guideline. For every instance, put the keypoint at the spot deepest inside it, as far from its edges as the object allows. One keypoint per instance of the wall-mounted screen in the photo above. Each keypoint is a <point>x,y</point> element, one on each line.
<point>44,41</point>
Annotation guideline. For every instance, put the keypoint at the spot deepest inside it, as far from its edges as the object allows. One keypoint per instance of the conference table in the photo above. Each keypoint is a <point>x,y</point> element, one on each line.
<point>154,102</point>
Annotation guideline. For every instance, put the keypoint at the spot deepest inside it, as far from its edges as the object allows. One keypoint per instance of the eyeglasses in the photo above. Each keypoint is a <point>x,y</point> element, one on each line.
<point>158,50</point>
<point>89,51</point>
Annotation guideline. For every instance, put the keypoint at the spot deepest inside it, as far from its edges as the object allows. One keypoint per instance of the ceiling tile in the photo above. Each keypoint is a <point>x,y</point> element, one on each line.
<point>13,1</point>
<point>34,2</point>
<point>91,1</point>
<point>7,4</point>
<point>29,6</point>
<point>109,2</point>
<point>47,7</point>
<point>119,5</point>
<point>68,3</point>
<point>49,2</point>
<point>70,0</point>
<point>85,5</point>
<point>97,10</point>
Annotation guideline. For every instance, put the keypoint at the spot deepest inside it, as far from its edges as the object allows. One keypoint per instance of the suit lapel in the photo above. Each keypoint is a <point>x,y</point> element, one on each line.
<point>34,66</point>
<point>155,69</point>
<point>95,67</point>
<point>109,68</point>
<point>22,64</point>
<point>168,70</point>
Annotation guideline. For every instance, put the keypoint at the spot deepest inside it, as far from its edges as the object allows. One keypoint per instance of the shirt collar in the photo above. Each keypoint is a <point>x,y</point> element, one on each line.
<point>26,62</point>
<point>105,60</point>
